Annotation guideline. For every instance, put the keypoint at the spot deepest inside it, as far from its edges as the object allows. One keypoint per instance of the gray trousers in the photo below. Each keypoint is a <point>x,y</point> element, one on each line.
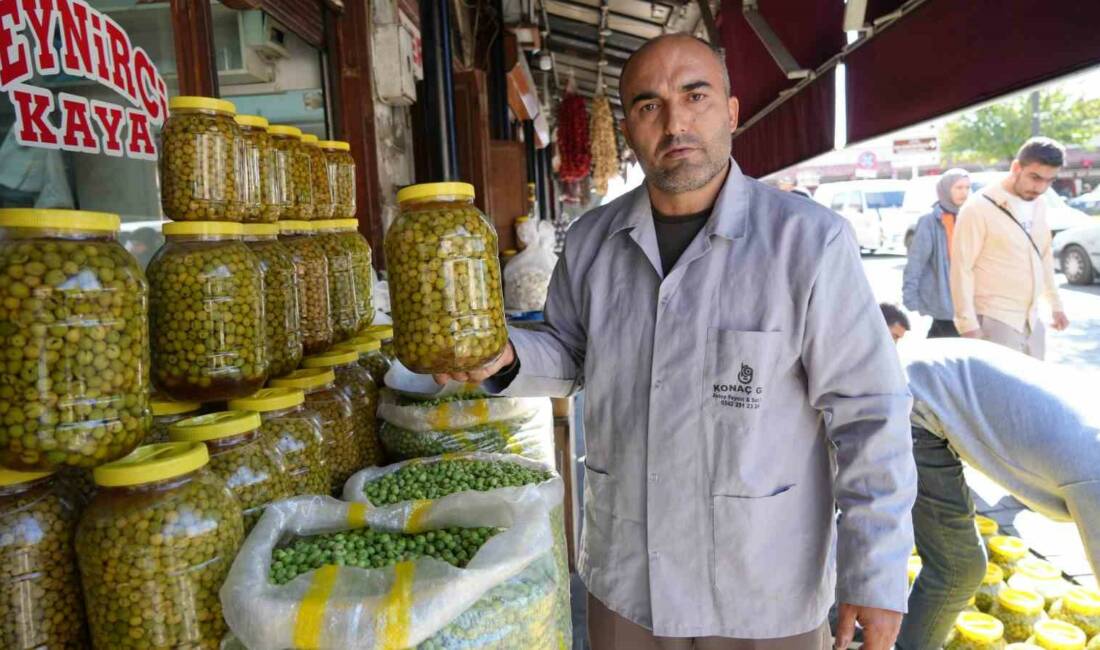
<point>1032,342</point>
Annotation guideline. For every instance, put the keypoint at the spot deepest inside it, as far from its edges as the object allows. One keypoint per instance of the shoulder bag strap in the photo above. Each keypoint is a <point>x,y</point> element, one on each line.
<point>1015,221</point>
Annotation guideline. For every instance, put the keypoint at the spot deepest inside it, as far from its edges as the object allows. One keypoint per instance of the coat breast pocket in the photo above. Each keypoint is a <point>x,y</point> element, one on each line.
<point>738,373</point>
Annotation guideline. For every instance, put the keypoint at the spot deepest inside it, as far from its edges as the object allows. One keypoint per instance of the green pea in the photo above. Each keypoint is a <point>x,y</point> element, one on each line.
<point>437,479</point>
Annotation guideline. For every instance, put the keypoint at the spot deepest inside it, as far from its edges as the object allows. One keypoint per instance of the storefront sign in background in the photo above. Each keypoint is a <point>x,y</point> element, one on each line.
<point>53,37</point>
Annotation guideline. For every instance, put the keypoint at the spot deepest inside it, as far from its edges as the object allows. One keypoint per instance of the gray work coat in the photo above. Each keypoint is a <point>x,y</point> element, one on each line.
<point>730,407</point>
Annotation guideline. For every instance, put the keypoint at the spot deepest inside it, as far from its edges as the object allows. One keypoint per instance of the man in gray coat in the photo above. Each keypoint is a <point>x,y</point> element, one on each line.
<point>741,387</point>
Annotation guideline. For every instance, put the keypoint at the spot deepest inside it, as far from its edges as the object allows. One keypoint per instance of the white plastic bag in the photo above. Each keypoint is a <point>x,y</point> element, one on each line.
<point>527,275</point>
<point>506,596</point>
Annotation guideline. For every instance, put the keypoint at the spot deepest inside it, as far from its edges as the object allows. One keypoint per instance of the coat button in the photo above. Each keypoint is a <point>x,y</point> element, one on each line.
<point>653,477</point>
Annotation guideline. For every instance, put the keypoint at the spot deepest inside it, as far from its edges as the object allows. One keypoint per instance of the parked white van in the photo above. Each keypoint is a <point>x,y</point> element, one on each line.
<point>873,207</point>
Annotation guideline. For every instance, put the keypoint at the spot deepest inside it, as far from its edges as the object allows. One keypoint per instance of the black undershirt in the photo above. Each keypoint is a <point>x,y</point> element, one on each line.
<point>675,234</point>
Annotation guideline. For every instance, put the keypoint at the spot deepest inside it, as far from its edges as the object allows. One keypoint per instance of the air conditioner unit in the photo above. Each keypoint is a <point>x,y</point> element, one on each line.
<point>262,35</point>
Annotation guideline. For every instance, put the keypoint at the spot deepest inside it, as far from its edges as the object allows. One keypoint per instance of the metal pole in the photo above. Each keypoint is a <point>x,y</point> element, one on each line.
<point>1035,120</point>
<point>543,161</point>
<point>501,125</point>
<point>533,175</point>
<point>438,99</point>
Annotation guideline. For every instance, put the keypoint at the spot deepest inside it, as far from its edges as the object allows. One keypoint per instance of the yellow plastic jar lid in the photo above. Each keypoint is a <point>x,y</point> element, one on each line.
<point>260,229</point>
<point>253,120</point>
<point>162,406</point>
<point>511,251</point>
<point>986,526</point>
<point>335,145</point>
<point>306,379</point>
<point>1036,569</point>
<point>994,574</point>
<point>380,332</point>
<point>522,219</point>
<point>292,225</point>
<point>346,224</point>
<point>432,190</point>
<point>1059,635</point>
<point>1012,548</point>
<point>282,129</point>
<point>915,565</point>
<point>1081,600</point>
<point>1021,602</point>
<point>58,219</point>
<point>214,426</point>
<point>269,399</point>
<point>360,344</point>
<point>152,463</point>
<point>331,359</point>
<point>9,477</point>
<point>979,628</point>
<point>180,228</point>
<point>324,224</point>
<point>185,102</point>
<point>309,138</point>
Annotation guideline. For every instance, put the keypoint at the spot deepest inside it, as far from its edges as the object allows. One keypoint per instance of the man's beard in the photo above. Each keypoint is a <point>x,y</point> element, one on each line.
<point>687,176</point>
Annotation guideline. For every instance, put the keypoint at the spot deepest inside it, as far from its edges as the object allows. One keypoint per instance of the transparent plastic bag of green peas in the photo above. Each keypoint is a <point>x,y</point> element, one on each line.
<point>507,596</point>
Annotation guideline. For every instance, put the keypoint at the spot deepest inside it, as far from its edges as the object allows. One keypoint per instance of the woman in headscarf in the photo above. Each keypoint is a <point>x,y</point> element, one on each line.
<point>926,285</point>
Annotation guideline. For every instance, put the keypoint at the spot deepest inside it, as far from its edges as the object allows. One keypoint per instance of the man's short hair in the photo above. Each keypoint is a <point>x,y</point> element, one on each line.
<point>894,316</point>
<point>1043,151</point>
<point>719,53</point>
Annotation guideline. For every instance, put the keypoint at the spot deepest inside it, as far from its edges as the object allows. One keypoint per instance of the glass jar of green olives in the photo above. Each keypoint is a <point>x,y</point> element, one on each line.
<point>1040,576</point>
<point>987,528</point>
<point>976,631</point>
<point>383,333</point>
<point>154,547</point>
<point>199,160</point>
<point>324,190</point>
<point>206,314</point>
<point>444,281</point>
<point>240,456</point>
<point>991,587</point>
<point>1058,635</point>
<point>337,420</point>
<point>40,600</point>
<point>1006,551</point>
<point>341,171</point>
<point>311,269</point>
<point>281,316</point>
<point>296,433</point>
<point>341,281</point>
<point>1019,611</point>
<point>74,341</point>
<point>370,357</point>
<point>362,273</point>
<point>264,192</point>
<point>292,155</point>
<point>357,384</point>
<point>1081,607</point>
<point>166,412</point>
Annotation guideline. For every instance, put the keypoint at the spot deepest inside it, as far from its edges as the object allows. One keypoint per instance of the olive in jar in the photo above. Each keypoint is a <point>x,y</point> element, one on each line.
<point>1081,607</point>
<point>292,155</point>
<point>40,601</point>
<point>206,314</point>
<point>74,341</point>
<point>264,191</point>
<point>296,433</point>
<point>342,449</point>
<point>359,387</point>
<point>362,273</point>
<point>1058,635</point>
<point>370,357</point>
<point>1019,611</point>
<point>282,327</point>
<point>1005,551</point>
<point>166,412</point>
<point>444,277</point>
<point>311,269</point>
<point>341,170</point>
<point>976,631</point>
<point>199,161</point>
<point>324,190</point>
<point>154,547</point>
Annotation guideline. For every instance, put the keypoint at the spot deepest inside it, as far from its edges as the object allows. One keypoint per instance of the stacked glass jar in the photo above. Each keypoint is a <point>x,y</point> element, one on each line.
<point>342,449</point>
<point>296,432</point>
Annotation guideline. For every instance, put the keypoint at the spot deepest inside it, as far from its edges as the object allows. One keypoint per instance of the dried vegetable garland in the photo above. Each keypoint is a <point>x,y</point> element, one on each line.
<point>573,143</point>
<point>605,151</point>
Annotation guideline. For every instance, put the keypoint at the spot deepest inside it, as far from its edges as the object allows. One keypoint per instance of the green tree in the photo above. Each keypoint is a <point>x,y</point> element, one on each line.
<point>994,133</point>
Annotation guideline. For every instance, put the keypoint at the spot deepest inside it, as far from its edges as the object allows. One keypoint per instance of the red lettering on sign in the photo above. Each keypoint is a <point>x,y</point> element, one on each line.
<point>102,73</point>
<point>120,58</point>
<point>17,68</point>
<point>163,91</point>
<point>109,117</point>
<point>31,107</point>
<point>147,85</point>
<point>140,142</point>
<point>77,49</point>
<point>41,16</point>
<point>76,125</point>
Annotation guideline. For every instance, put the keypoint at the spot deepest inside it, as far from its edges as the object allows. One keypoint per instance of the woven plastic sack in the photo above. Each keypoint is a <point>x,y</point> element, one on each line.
<point>506,597</point>
<point>417,429</point>
<point>551,492</point>
<point>527,275</point>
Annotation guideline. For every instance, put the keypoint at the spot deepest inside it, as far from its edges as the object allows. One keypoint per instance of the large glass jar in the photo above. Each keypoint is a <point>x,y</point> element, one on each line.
<point>1006,551</point>
<point>206,314</point>
<point>296,433</point>
<point>987,528</point>
<point>359,387</point>
<point>292,155</point>
<point>1058,635</point>
<point>154,548</point>
<point>199,161</point>
<point>992,585</point>
<point>1040,576</point>
<point>166,412</point>
<point>444,281</point>
<point>324,190</point>
<point>40,601</point>
<point>1081,607</point>
<point>370,357</point>
<point>384,334</point>
<point>282,328</point>
<point>349,277</point>
<point>311,269</point>
<point>74,341</point>
<point>240,456</point>
<point>362,273</point>
<point>337,421</point>
<point>975,631</point>
<point>1019,611</point>
<point>263,191</point>
<point>340,167</point>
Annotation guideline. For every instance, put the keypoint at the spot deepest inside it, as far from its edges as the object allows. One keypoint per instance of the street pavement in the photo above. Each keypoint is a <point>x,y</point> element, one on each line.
<point>1078,346</point>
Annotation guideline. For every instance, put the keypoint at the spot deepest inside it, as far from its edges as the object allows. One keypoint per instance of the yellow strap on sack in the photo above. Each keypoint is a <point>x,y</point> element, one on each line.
<point>439,417</point>
<point>480,411</point>
<point>310,618</point>
<point>418,511</point>
<point>357,514</point>
<point>513,445</point>
<point>396,609</point>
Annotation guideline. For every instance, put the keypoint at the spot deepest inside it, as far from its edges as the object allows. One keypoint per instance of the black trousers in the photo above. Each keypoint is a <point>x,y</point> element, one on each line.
<point>943,329</point>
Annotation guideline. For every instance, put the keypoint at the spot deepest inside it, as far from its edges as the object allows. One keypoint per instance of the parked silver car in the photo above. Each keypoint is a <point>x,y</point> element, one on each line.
<point>1077,253</point>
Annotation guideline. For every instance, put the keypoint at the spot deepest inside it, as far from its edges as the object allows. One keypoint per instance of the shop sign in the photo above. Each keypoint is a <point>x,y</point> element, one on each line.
<point>69,37</point>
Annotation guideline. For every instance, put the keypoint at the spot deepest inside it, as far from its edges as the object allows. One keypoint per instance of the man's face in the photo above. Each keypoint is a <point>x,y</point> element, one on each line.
<point>678,115</point>
<point>1031,181</point>
<point>897,331</point>
<point>960,191</point>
